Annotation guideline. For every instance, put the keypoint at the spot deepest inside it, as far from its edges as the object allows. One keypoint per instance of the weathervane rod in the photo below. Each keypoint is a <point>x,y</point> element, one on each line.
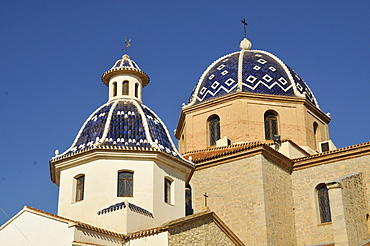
<point>245,27</point>
<point>127,44</point>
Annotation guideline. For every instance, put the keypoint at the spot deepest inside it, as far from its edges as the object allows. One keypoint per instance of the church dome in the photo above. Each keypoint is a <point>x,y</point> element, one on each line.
<point>253,71</point>
<point>124,124</point>
<point>128,66</point>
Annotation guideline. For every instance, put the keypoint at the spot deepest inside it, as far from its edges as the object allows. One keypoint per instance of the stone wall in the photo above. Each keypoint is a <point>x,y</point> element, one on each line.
<point>202,232</point>
<point>252,196</point>
<point>278,199</point>
<point>242,120</point>
<point>235,194</point>
<point>355,207</point>
<point>309,230</point>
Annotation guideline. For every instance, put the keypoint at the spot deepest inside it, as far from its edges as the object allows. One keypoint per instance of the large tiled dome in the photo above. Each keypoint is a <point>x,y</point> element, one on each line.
<point>253,71</point>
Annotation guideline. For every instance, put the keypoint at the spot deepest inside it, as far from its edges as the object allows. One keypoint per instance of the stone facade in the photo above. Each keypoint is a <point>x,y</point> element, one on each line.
<point>202,231</point>
<point>278,199</point>
<point>355,205</point>
<point>268,199</point>
<point>242,120</point>
<point>323,169</point>
<point>244,193</point>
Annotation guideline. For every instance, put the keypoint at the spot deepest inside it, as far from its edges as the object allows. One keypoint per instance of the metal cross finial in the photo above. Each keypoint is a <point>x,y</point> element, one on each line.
<point>245,27</point>
<point>127,44</point>
<point>205,199</point>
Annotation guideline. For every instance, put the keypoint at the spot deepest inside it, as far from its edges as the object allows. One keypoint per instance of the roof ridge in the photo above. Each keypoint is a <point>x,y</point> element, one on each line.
<point>350,147</point>
<point>222,147</point>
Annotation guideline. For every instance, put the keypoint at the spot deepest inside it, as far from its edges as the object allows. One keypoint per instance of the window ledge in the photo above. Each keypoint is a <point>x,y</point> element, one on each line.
<point>324,224</point>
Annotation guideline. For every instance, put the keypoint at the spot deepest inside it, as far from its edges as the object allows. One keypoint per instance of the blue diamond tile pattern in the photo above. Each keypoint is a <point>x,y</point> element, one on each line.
<point>220,79</point>
<point>124,123</point>
<point>249,71</point>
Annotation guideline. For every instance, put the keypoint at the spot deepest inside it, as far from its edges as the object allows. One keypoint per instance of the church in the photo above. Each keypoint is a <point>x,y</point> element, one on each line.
<point>255,165</point>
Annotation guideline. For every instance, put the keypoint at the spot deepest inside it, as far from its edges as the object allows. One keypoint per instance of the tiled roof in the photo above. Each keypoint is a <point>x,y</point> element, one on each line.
<point>216,152</point>
<point>332,155</point>
<point>128,66</point>
<point>123,124</point>
<point>252,71</point>
<point>351,147</point>
<point>123,205</point>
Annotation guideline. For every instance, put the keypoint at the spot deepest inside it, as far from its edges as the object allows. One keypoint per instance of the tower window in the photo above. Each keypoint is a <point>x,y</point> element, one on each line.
<point>188,201</point>
<point>136,90</point>
<point>114,89</point>
<point>125,184</point>
<point>315,133</point>
<point>270,125</point>
<point>125,90</point>
<point>214,129</point>
<point>324,203</point>
<point>167,190</point>
<point>80,187</point>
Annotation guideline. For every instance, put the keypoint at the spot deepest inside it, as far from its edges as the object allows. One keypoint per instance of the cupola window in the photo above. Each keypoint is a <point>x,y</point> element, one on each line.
<point>80,187</point>
<point>125,89</point>
<point>214,129</point>
<point>136,90</point>
<point>271,123</point>
<point>114,89</point>
<point>323,203</point>
<point>125,184</point>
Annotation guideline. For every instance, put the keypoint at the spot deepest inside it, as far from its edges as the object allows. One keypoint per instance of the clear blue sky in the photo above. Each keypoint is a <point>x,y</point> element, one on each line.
<point>53,54</point>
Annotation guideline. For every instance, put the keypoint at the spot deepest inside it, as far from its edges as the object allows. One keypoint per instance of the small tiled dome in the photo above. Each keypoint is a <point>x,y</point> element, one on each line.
<point>253,71</point>
<point>124,123</point>
<point>128,66</point>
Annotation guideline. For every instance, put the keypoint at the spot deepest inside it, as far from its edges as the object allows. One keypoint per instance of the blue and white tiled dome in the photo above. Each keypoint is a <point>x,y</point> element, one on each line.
<point>253,71</point>
<point>126,124</point>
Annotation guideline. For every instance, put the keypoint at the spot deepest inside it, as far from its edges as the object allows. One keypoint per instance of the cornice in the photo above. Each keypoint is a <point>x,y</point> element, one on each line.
<point>340,154</point>
<point>248,95</point>
<point>226,154</point>
<point>115,71</point>
<point>116,153</point>
<point>238,95</point>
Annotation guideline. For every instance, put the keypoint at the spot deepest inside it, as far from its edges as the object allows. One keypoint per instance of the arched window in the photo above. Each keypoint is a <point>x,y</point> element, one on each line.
<point>188,201</point>
<point>167,190</point>
<point>114,89</point>
<point>214,129</point>
<point>136,90</point>
<point>125,88</point>
<point>270,125</point>
<point>80,187</point>
<point>125,184</point>
<point>323,203</point>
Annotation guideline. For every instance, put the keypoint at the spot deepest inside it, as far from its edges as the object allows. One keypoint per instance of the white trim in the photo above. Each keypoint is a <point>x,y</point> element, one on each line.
<point>82,128</point>
<point>193,99</point>
<point>240,70</point>
<point>107,122</point>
